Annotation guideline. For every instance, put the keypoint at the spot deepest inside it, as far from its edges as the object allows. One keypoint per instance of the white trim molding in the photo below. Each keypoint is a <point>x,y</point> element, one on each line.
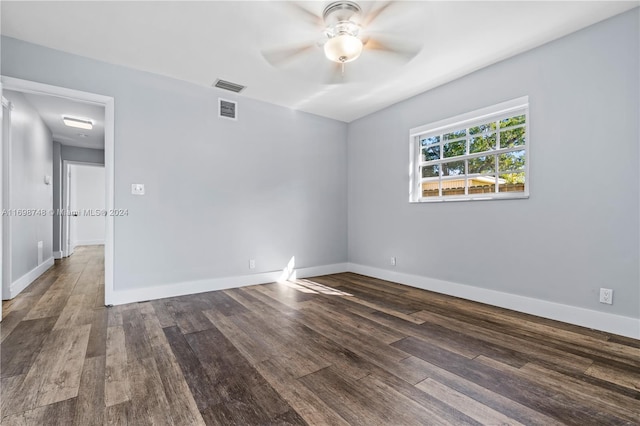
<point>23,282</point>
<point>108,102</point>
<point>57,255</point>
<point>610,323</point>
<point>120,297</point>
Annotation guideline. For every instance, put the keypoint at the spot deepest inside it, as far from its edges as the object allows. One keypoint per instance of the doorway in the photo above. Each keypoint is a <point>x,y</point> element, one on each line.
<point>84,201</point>
<point>33,88</point>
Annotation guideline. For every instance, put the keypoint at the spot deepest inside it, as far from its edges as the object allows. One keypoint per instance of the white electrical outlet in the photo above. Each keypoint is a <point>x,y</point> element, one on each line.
<point>252,264</point>
<point>606,296</point>
<point>137,188</point>
<point>393,261</point>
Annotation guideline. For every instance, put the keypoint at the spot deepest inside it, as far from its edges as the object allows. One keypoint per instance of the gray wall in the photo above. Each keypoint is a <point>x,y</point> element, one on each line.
<point>70,153</point>
<point>31,161</point>
<point>269,186</point>
<point>579,229</point>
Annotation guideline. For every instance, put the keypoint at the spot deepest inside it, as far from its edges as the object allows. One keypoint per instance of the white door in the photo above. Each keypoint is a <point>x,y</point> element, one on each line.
<point>70,214</point>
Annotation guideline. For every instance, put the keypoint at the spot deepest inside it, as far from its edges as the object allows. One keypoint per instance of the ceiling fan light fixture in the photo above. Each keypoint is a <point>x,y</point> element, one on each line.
<point>343,48</point>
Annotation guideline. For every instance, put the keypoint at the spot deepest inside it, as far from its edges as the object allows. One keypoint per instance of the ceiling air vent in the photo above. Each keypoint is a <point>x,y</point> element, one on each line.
<point>227,109</point>
<point>227,85</point>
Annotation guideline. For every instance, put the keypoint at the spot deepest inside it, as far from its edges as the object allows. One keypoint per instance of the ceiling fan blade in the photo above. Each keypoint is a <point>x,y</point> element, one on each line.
<point>280,57</point>
<point>372,15</point>
<point>306,14</point>
<point>404,49</point>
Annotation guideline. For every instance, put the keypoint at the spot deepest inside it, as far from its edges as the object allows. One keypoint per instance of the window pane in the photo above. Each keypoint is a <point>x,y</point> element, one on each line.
<point>483,128</point>
<point>482,184</point>
<point>455,135</point>
<point>430,141</point>
<point>513,137</point>
<point>453,187</point>
<point>511,182</point>
<point>431,171</point>
<point>511,161</point>
<point>454,149</point>
<point>430,189</point>
<point>513,121</point>
<point>431,153</point>
<point>482,143</point>
<point>482,164</point>
<point>453,168</point>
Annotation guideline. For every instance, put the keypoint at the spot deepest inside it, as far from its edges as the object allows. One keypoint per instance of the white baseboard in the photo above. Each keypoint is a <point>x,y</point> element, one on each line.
<point>21,283</point>
<point>89,243</point>
<point>610,323</point>
<point>57,255</point>
<point>191,287</point>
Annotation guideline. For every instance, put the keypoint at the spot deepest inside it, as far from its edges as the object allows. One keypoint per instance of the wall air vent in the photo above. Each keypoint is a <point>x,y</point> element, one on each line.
<point>227,85</point>
<point>227,109</point>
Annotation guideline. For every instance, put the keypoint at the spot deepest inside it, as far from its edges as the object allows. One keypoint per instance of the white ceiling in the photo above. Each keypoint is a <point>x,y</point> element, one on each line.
<point>51,110</point>
<point>202,41</point>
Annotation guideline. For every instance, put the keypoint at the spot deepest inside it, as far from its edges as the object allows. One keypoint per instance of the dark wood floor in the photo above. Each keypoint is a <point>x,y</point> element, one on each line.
<point>333,350</point>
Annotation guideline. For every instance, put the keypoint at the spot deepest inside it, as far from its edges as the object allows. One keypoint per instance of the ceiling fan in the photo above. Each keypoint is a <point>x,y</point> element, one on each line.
<point>344,36</point>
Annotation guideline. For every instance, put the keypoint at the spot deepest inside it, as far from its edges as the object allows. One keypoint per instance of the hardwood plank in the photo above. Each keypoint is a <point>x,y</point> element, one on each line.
<point>255,350</point>
<point>55,373</point>
<point>363,325</point>
<point>10,321</point>
<point>469,406</point>
<point>90,402</point>
<point>363,402</point>
<point>22,346</point>
<point>117,389</point>
<point>604,399</point>
<point>67,350</point>
<point>560,406</point>
<point>55,299</point>
<point>629,378</point>
<point>163,314</point>
<point>136,339</point>
<point>244,392</point>
<point>150,405</point>
<point>119,414</point>
<point>304,401</point>
<point>59,413</point>
<point>439,410</point>
<point>201,386</point>
<point>182,405</point>
<point>534,350</point>
<point>225,304</point>
<point>10,388</point>
<point>72,314</point>
<point>488,398</point>
<point>97,345</point>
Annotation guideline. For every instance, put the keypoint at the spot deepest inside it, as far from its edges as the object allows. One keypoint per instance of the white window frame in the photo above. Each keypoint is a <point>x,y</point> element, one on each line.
<point>519,106</point>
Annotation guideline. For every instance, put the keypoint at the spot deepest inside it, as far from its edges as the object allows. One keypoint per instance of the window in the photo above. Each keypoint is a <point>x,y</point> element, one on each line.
<point>481,155</point>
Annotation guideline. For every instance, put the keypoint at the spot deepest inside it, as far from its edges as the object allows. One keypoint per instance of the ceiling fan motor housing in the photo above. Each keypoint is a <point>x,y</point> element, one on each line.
<point>340,11</point>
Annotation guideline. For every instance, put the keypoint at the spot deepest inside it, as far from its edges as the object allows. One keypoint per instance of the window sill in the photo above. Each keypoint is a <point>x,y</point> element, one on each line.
<point>470,198</point>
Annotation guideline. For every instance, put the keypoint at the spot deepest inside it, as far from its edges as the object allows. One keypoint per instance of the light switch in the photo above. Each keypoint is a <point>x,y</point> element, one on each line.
<point>137,188</point>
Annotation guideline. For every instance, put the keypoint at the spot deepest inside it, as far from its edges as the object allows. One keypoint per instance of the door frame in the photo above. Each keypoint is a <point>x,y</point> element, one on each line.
<point>6,205</point>
<point>108,102</point>
<point>65,229</point>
